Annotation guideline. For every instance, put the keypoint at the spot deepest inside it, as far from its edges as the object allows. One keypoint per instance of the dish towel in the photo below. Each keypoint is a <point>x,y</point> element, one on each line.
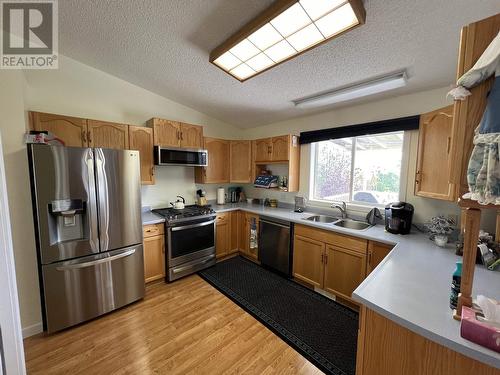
<point>483,172</point>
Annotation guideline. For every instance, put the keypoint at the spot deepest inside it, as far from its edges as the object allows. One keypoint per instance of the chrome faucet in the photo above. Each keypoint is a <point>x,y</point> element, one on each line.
<point>342,208</point>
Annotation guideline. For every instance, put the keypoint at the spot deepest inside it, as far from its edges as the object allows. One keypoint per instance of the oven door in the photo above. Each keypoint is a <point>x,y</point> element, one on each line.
<point>190,241</point>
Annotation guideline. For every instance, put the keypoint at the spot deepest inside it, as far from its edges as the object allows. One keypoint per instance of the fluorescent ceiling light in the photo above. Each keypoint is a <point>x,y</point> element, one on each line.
<point>284,30</point>
<point>375,86</point>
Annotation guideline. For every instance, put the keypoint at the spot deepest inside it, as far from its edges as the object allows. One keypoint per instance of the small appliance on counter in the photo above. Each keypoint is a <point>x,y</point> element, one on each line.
<point>266,181</point>
<point>398,217</point>
<point>201,197</point>
<point>234,194</point>
<point>300,204</point>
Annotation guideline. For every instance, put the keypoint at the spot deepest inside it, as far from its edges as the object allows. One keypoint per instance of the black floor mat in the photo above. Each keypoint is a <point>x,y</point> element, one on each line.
<point>320,329</point>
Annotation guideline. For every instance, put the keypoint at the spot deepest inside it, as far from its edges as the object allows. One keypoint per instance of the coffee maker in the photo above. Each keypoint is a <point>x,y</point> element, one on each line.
<point>398,217</point>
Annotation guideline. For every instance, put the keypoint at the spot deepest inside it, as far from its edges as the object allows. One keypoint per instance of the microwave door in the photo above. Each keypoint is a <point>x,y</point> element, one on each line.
<point>64,201</point>
<point>118,187</point>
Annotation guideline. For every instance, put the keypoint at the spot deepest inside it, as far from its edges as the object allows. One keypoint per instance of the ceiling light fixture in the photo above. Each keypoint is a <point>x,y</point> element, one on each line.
<point>284,30</point>
<point>381,84</point>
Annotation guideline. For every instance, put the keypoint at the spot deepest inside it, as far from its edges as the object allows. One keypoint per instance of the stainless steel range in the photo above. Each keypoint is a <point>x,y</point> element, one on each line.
<point>190,239</point>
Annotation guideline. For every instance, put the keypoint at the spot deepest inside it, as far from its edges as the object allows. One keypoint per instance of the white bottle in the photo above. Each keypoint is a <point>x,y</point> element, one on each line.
<point>221,196</point>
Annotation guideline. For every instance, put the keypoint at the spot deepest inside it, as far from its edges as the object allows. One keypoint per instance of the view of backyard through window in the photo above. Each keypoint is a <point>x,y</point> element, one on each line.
<point>363,170</point>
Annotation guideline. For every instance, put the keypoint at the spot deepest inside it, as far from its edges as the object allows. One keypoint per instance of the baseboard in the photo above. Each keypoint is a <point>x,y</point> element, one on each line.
<point>32,330</point>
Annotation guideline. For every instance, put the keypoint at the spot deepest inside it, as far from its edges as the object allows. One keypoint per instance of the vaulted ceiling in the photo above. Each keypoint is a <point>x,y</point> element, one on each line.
<point>163,46</point>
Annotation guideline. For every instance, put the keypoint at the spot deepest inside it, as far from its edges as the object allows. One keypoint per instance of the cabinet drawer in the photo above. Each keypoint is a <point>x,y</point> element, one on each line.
<point>222,217</point>
<point>153,230</point>
<point>336,239</point>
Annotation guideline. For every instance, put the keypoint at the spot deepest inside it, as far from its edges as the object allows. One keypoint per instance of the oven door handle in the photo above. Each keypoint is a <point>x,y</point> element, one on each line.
<point>197,225</point>
<point>184,268</point>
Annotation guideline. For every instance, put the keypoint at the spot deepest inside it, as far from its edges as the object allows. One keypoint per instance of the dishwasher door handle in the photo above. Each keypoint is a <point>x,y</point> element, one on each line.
<point>274,223</point>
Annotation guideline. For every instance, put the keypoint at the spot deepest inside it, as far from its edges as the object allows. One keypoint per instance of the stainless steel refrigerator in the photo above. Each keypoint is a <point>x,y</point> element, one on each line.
<point>87,214</point>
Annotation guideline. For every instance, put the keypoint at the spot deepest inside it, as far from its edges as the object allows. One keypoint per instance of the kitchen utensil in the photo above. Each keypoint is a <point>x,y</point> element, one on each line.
<point>179,203</point>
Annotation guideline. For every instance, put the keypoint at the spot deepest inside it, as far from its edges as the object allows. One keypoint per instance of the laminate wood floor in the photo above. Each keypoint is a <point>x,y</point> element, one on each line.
<point>183,327</point>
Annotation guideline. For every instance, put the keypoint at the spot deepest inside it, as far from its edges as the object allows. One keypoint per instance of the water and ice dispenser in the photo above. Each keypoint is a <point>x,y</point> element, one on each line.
<point>67,220</point>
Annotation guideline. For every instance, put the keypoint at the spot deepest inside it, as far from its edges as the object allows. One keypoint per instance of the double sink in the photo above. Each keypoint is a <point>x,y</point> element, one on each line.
<point>338,222</point>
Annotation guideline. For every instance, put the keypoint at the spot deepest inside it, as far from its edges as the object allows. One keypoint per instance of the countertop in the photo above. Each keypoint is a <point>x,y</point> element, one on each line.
<point>411,286</point>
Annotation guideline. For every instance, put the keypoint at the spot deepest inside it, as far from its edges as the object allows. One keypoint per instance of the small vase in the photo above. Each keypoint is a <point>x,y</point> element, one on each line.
<point>441,240</point>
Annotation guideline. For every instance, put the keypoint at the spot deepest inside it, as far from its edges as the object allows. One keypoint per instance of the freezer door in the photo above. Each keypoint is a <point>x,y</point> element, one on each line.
<point>64,201</point>
<point>84,288</point>
<point>119,198</point>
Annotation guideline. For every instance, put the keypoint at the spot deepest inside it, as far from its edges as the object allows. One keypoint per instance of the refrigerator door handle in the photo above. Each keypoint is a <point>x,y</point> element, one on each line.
<point>102,198</point>
<point>95,262</point>
<point>92,202</point>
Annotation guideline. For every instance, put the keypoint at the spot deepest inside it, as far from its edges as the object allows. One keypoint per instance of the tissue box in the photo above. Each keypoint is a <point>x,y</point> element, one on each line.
<point>479,332</point>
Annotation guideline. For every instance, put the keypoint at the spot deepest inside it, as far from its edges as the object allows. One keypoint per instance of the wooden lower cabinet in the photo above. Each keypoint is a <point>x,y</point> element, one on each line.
<point>385,347</point>
<point>223,235</point>
<point>376,253</point>
<point>154,252</point>
<point>344,270</point>
<point>246,221</point>
<point>308,255</point>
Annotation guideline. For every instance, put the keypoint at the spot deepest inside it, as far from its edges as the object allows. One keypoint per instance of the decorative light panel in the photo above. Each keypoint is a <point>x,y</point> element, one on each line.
<point>285,30</point>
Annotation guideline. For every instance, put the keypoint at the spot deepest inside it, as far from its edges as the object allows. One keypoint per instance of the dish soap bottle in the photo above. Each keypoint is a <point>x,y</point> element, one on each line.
<point>455,285</point>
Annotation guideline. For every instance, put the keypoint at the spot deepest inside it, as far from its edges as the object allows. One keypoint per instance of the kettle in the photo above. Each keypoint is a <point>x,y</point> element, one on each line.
<point>179,204</point>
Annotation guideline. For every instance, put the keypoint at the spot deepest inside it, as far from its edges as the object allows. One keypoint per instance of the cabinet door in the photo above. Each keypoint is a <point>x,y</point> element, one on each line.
<point>191,136</point>
<point>243,238</point>
<point>141,139</point>
<point>223,239</point>
<point>376,253</point>
<point>344,270</point>
<point>217,171</point>
<point>154,258</point>
<point>308,255</point>
<point>252,220</point>
<point>263,149</point>
<point>433,157</point>
<point>107,135</point>
<point>71,130</point>
<point>166,133</point>
<point>235,231</point>
<point>281,148</point>
<point>241,162</point>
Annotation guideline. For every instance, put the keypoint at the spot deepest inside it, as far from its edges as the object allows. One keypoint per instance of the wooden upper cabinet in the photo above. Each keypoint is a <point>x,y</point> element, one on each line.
<point>263,149</point>
<point>141,139</point>
<point>308,256</point>
<point>191,136</point>
<point>433,157</point>
<point>166,133</point>
<point>107,135</point>
<point>217,170</point>
<point>71,130</point>
<point>241,162</point>
<point>467,114</point>
<point>376,254</point>
<point>344,270</point>
<point>280,148</point>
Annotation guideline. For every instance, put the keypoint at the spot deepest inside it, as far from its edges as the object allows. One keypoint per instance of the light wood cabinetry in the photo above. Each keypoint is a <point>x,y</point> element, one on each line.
<point>344,270</point>
<point>71,130</point>
<point>467,114</point>
<point>263,150</point>
<point>223,234</point>
<point>154,252</point>
<point>280,148</point>
<point>385,347</point>
<point>433,158</point>
<point>376,253</point>
<point>241,162</point>
<point>328,260</point>
<point>168,133</point>
<point>235,231</point>
<point>107,135</point>
<point>246,221</point>
<point>217,170</point>
<point>140,138</point>
<point>308,255</point>
<point>191,136</point>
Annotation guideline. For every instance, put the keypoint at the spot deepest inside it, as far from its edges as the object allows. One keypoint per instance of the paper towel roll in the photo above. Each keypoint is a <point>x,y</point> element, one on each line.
<point>221,196</point>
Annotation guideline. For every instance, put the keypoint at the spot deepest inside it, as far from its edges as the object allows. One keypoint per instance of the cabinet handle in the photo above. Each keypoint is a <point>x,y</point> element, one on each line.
<point>448,144</point>
<point>322,258</point>
<point>417,179</point>
<point>370,257</point>
<point>84,136</point>
<point>326,258</point>
<point>182,137</point>
<point>178,134</point>
<point>88,137</point>
<point>152,171</point>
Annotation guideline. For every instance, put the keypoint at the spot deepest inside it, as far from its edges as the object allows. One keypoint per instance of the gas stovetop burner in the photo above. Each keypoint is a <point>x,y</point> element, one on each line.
<point>189,212</point>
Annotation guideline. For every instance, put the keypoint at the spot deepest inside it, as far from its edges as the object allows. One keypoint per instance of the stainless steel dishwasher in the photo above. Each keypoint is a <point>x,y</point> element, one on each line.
<point>275,245</point>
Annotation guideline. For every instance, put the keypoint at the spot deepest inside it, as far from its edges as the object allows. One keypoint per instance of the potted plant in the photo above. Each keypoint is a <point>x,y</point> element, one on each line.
<point>440,228</point>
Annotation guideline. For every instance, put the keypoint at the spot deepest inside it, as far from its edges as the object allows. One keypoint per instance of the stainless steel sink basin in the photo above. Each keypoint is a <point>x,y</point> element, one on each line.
<point>352,224</point>
<point>322,218</point>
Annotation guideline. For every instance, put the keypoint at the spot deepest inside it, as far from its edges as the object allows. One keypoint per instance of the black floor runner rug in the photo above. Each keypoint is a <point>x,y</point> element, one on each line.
<point>320,329</point>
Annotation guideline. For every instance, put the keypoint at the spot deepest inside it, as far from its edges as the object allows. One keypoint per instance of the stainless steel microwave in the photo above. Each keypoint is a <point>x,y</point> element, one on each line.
<point>180,156</point>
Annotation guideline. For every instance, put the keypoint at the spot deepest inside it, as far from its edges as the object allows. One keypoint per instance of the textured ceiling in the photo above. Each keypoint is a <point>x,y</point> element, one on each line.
<point>163,46</point>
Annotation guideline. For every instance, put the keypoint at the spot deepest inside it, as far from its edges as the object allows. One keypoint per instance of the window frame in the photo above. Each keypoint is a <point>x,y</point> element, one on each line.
<point>354,205</point>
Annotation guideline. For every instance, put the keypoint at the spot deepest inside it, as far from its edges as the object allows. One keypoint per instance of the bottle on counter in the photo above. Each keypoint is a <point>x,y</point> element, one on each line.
<point>455,285</point>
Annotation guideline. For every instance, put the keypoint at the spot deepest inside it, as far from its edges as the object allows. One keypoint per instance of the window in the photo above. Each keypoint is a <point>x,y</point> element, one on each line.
<point>363,170</point>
